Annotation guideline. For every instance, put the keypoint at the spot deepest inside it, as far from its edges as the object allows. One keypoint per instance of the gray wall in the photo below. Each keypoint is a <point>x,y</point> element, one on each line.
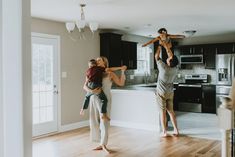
<point>74,57</point>
<point>216,38</point>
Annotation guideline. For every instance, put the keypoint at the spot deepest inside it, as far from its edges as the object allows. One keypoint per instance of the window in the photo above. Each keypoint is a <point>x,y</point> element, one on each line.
<point>143,59</point>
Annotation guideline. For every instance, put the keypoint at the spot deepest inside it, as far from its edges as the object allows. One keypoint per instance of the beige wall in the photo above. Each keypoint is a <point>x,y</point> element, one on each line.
<point>74,57</point>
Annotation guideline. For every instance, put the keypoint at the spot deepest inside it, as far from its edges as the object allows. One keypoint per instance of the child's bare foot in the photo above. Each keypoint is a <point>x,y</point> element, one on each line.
<point>105,118</point>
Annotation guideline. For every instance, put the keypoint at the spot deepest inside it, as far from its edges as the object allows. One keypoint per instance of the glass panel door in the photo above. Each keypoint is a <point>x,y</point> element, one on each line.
<point>44,83</point>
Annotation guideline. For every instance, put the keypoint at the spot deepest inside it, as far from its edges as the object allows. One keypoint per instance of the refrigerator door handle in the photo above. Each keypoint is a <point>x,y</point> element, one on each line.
<point>233,67</point>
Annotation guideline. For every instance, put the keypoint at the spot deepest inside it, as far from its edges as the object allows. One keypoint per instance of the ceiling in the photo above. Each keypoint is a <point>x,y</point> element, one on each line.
<point>145,17</point>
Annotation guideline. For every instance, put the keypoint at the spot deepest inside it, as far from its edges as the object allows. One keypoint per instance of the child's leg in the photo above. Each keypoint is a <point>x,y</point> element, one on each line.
<point>86,100</point>
<point>104,101</point>
<point>168,51</point>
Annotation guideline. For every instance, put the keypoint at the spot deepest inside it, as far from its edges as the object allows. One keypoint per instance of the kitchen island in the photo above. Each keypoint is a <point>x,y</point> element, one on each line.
<point>135,107</point>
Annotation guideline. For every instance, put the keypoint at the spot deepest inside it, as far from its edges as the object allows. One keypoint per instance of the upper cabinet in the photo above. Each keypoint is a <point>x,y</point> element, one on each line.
<point>129,54</point>
<point>225,48</point>
<point>110,47</point>
<point>209,52</point>
<point>117,51</point>
<point>190,49</point>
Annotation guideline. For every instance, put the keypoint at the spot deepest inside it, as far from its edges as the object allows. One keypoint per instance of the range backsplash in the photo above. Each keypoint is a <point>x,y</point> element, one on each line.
<point>197,69</point>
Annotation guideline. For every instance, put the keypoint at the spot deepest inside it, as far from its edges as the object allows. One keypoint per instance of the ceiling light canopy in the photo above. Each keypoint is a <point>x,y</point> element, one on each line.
<point>189,33</point>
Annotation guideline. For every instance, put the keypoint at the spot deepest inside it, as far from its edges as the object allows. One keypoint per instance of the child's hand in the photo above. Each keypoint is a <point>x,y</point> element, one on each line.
<point>82,112</point>
<point>124,68</point>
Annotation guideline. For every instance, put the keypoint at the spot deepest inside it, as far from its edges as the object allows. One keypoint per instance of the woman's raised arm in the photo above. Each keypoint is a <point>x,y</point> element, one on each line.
<point>118,81</point>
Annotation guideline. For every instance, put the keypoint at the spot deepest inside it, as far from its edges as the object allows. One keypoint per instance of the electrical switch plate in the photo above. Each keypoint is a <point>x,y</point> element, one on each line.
<point>64,74</point>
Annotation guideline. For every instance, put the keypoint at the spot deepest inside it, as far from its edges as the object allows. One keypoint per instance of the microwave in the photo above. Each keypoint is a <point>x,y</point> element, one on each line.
<point>191,59</point>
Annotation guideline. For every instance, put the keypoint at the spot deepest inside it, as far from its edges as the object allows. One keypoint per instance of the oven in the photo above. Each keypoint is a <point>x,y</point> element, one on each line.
<point>190,97</point>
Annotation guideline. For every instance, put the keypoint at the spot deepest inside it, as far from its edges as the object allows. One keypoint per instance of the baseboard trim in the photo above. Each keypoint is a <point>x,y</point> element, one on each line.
<point>74,126</point>
<point>132,125</point>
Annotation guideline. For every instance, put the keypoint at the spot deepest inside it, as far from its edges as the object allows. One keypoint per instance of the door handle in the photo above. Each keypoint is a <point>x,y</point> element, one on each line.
<point>233,68</point>
<point>56,92</point>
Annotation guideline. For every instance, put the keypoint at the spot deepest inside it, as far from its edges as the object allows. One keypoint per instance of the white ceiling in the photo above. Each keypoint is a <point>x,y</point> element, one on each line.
<point>205,16</point>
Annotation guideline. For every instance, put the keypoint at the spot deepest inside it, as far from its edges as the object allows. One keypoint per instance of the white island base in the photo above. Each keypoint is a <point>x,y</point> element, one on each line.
<point>135,109</point>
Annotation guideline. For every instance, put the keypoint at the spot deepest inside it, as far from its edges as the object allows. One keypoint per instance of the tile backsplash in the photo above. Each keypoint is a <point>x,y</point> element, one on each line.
<point>195,69</point>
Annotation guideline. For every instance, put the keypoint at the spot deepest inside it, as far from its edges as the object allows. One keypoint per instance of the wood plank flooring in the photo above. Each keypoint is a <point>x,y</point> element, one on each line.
<point>125,143</point>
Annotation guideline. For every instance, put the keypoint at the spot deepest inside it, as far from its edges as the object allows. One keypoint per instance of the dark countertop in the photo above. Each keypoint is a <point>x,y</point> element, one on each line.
<point>151,86</point>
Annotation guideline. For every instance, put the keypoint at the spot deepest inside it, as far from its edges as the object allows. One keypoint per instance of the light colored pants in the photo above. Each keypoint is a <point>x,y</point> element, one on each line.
<point>99,128</point>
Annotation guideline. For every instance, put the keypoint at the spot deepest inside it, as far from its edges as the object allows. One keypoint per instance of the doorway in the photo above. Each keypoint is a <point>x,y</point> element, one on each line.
<point>45,83</point>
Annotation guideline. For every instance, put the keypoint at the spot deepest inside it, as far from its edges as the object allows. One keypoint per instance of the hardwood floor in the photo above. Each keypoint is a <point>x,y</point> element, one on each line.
<point>125,143</point>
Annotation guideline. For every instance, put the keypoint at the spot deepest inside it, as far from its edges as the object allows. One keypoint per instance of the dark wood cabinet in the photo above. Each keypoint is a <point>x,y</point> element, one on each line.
<point>225,48</point>
<point>190,49</point>
<point>208,99</point>
<point>110,47</point>
<point>209,53</point>
<point>129,54</point>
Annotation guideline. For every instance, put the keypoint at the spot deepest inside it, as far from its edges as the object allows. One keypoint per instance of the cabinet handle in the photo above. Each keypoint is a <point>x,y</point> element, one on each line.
<point>121,62</point>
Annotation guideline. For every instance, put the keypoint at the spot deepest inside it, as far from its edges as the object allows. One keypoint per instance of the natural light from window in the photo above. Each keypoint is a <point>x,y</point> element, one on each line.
<point>143,60</point>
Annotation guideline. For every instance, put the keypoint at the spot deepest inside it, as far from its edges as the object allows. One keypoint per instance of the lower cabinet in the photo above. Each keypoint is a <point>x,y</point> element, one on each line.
<point>176,96</point>
<point>208,99</point>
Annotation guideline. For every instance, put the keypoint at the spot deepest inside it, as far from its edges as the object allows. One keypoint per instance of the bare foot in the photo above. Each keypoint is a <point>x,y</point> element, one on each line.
<point>164,134</point>
<point>106,149</point>
<point>105,118</point>
<point>176,133</point>
<point>98,148</point>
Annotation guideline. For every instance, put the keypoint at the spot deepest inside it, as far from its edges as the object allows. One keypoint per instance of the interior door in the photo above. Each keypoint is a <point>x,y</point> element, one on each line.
<point>44,84</point>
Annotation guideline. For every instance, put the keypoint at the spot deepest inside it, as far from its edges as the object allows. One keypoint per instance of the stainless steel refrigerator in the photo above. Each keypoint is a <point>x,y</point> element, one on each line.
<point>225,73</point>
